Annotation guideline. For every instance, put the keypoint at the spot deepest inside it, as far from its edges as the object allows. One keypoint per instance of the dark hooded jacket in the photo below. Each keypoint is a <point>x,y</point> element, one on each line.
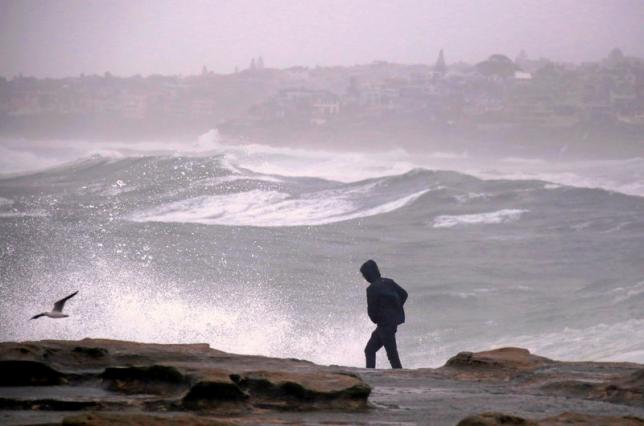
<point>385,298</point>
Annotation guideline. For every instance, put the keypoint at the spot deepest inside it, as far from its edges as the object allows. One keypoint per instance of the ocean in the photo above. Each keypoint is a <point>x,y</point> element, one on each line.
<point>257,250</point>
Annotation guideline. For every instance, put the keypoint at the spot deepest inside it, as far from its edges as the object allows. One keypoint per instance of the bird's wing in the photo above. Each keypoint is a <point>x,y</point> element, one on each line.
<point>38,316</point>
<point>58,306</point>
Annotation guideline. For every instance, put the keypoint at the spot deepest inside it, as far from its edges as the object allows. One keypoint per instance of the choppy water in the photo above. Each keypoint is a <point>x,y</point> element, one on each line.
<point>252,257</point>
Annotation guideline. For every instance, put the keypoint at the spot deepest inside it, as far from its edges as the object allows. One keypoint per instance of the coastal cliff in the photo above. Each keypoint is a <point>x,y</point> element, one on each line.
<point>96,382</point>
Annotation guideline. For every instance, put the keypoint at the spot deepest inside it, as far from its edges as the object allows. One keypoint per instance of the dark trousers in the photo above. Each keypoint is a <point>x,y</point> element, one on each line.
<point>383,335</point>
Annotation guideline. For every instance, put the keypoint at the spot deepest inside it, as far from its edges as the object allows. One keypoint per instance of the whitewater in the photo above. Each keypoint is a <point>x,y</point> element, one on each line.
<point>256,249</point>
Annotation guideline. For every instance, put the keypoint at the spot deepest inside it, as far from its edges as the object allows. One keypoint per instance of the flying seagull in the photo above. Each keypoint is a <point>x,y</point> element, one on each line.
<point>57,312</point>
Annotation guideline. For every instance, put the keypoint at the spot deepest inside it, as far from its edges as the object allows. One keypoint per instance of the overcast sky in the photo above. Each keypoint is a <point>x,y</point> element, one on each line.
<point>67,37</point>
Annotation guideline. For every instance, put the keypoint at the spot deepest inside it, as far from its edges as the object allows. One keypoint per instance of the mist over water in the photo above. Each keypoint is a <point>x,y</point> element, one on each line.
<point>254,249</point>
<point>622,175</point>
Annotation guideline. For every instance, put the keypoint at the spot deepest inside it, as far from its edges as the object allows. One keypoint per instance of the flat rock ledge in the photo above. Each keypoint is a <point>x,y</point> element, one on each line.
<point>178,376</point>
<point>564,419</point>
<point>101,382</point>
<point>620,383</point>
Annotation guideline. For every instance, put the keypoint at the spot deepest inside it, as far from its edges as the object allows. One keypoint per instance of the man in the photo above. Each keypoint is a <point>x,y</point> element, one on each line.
<point>385,300</point>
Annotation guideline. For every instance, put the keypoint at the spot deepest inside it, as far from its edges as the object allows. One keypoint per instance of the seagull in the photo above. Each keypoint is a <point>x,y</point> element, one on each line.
<point>57,312</point>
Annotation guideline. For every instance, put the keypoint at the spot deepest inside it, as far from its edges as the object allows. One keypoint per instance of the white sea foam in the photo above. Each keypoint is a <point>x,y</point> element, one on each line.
<point>270,208</point>
<point>118,187</point>
<point>626,175</point>
<point>247,319</point>
<point>621,341</point>
<point>5,201</point>
<point>501,216</point>
<point>463,198</point>
<point>29,213</point>
<point>15,160</point>
<point>220,180</point>
<point>387,207</point>
<point>474,293</point>
<point>344,167</point>
<point>226,209</point>
<point>625,293</point>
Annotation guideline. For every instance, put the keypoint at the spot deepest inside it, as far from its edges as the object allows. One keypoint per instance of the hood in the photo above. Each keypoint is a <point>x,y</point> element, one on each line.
<point>370,271</point>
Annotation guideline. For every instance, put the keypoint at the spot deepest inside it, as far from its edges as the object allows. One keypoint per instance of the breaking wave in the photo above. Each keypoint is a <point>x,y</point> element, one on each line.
<point>619,341</point>
<point>501,216</point>
<point>268,208</point>
<point>622,175</point>
<point>263,278</point>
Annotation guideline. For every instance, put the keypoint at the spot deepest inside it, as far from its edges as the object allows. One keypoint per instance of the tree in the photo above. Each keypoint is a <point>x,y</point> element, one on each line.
<point>440,66</point>
<point>615,58</point>
<point>497,66</point>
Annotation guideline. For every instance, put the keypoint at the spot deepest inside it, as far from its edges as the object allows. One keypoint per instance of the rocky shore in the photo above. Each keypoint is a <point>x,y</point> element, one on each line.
<point>97,382</point>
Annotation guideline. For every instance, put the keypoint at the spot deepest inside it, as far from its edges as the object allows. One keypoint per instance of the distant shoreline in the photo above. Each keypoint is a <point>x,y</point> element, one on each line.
<point>591,142</point>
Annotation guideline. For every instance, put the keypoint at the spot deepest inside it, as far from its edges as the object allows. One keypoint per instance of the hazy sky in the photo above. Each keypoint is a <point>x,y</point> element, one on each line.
<point>68,37</point>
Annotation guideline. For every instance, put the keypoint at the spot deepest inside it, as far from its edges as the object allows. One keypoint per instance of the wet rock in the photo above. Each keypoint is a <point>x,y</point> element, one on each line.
<point>91,352</point>
<point>212,388</point>
<point>143,383</point>
<point>28,373</point>
<point>47,404</point>
<point>571,388</point>
<point>626,390</point>
<point>503,362</point>
<point>319,389</point>
<point>21,351</point>
<point>510,358</point>
<point>147,350</point>
<point>495,419</point>
<point>127,419</point>
<point>564,419</point>
<point>154,379</point>
<point>570,419</point>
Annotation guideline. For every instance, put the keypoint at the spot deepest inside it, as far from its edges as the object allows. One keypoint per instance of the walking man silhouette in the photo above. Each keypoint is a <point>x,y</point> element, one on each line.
<point>385,300</point>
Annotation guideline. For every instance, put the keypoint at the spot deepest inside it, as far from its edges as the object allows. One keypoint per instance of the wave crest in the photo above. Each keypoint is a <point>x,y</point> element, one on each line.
<point>501,216</point>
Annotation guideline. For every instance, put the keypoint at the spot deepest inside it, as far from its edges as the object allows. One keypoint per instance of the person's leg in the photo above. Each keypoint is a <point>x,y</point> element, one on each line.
<point>388,339</point>
<point>373,345</point>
